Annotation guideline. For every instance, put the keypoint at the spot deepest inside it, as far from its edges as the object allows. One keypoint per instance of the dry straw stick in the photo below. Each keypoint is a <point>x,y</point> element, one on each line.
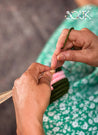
<point>5,95</point>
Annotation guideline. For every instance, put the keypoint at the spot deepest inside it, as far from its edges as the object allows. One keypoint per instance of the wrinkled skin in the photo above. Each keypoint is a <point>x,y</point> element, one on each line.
<point>86,48</point>
<point>31,97</point>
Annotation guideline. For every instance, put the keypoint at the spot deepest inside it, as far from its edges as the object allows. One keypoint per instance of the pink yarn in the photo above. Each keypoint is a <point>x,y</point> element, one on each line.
<point>57,77</point>
<point>57,74</point>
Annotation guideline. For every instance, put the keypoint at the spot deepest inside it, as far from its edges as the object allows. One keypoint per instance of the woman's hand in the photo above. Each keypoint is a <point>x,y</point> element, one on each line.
<point>31,97</point>
<point>86,48</point>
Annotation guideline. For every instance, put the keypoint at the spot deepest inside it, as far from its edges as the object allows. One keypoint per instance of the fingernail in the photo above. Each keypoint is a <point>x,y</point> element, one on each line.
<point>61,57</point>
<point>52,71</point>
<point>51,87</point>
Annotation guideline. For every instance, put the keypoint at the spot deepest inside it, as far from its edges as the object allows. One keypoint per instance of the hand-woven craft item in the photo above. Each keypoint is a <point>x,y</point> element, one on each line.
<point>60,85</point>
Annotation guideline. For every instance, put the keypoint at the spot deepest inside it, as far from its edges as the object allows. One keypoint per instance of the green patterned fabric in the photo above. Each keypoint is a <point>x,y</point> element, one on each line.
<point>76,113</point>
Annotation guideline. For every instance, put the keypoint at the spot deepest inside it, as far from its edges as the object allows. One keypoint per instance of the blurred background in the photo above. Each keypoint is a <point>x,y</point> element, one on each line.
<point>25,26</point>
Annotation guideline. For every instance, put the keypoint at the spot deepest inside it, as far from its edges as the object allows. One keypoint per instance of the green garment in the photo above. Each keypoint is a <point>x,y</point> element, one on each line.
<point>76,113</point>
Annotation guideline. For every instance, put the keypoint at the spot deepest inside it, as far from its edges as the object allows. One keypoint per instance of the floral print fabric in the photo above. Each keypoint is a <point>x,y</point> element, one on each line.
<point>76,113</point>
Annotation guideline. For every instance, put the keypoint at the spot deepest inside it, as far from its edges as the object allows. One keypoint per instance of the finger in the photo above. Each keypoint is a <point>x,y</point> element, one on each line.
<point>46,78</point>
<point>54,61</point>
<point>68,45</point>
<point>73,55</point>
<point>80,38</point>
<point>76,38</point>
<point>70,42</point>
<point>62,38</point>
<point>36,69</point>
<point>61,41</point>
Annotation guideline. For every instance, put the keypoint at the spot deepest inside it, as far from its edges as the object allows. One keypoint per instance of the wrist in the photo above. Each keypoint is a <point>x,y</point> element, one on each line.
<point>33,126</point>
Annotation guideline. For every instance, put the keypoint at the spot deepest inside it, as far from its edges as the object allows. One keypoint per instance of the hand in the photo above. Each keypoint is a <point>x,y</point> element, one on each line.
<point>86,48</point>
<point>31,97</point>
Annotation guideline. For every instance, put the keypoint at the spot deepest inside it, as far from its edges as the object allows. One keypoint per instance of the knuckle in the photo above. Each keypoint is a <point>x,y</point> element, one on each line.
<point>88,34</point>
<point>48,75</point>
<point>64,31</point>
<point>24,76</point>
<point>31,72</point>
<point>16,81</point>
<point>33,65</point>
<point>72,57</point>
<point>85,29</point>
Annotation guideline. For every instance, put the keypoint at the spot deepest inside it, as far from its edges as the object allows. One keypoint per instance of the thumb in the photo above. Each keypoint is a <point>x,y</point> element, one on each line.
<point>46,78</point>
<point>74,55</point>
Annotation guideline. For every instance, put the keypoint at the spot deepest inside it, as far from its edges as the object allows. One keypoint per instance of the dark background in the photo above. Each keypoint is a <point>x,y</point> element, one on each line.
<point>25,26</point>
